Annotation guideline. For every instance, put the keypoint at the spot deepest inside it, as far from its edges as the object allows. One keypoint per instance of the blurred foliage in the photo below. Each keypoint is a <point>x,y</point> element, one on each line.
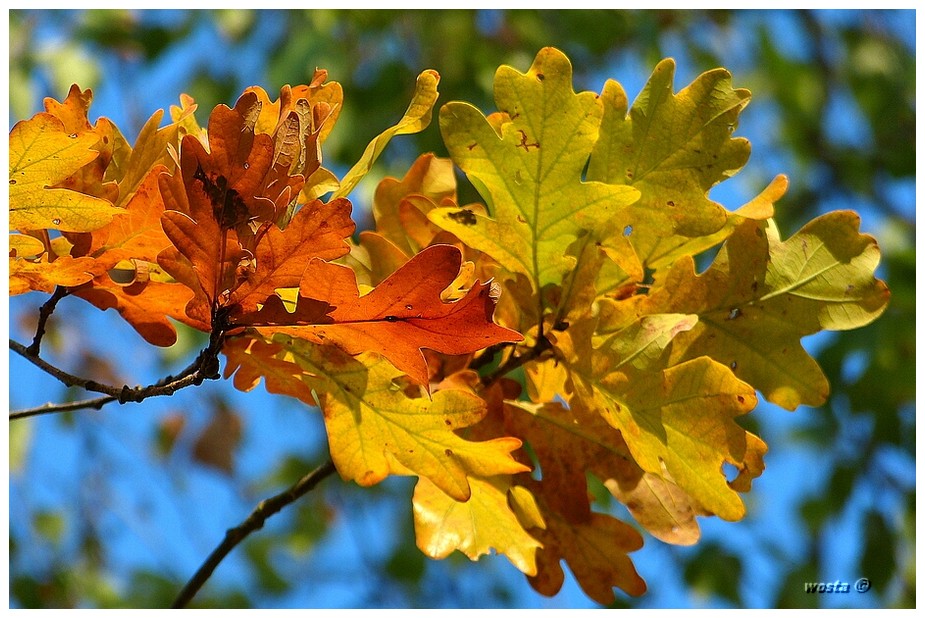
<point>834,94</point>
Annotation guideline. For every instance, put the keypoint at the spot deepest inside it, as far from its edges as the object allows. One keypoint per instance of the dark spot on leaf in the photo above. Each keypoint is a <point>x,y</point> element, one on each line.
<point>628,230</point>
<point>73,136</point>
<point>448,422</point>
<point>463,216</point>
<point>448,453</point>
<point>540,76</point>
<point>521,219</point>
<point>390,318</point>
<point>227,206</point>
<point>740,398</point>
<point>734,313</point>
<point>524,142</point>
<point>629,173</point>
<point>733,365</point>
<point>561,325</point>
<point>671,203</point>
<point>754,286</point>
<point>12,181</point>
<point>472,145</point>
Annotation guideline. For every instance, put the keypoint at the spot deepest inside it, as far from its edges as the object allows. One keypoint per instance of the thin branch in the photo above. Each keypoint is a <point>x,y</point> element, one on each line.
<point>537,351</point>
<point>53,408</point>
<point>205,367</point>
<point>45,312</point>
<point>254,521</point>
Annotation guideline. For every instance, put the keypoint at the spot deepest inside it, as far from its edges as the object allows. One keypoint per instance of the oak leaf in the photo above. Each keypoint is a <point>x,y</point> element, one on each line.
<point>375,429</point>
<point>43,154</point>
<point>570,445</point>
<point>416,118</point>
<point>483,523</point>
<point>677,420</point>
<point>528,163</point>
<point>397,318</point>
<point>761,295</point>
<point>673,148</point>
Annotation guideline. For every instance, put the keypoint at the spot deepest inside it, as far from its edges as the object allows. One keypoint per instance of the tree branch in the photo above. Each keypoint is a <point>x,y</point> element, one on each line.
<point>205,367</point>
<point>52,408</point>
<point>45,312</point>
<point>538,350</point>
<point>255,521</point>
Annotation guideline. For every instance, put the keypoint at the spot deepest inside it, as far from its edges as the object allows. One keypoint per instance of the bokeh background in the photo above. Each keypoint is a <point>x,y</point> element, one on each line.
<point>118,507</point>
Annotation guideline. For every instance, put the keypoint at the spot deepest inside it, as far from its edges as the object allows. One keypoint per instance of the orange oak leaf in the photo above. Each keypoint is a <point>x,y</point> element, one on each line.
<point>137,234</point>
<point>318,230</point>
<point>204,257</point>
<point>146,305</point>
<point>596,552</point>
<point>400,316</point>
<point>42,275</point>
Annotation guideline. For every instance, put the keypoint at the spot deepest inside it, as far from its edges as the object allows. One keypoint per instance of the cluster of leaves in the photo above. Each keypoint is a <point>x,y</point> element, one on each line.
<point>501,353</point>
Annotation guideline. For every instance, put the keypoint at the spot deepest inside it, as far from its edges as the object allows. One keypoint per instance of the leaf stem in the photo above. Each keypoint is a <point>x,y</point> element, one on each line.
<point>254,521</point>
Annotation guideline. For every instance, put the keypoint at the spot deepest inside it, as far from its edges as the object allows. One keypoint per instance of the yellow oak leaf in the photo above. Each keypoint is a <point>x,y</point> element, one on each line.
<point>375,429</point>
<point>43,154</point>
<point>677,421</point>
<point>417,118</point>
<point>761,295</point>
<point>483,523</point>
<point>570,444</point>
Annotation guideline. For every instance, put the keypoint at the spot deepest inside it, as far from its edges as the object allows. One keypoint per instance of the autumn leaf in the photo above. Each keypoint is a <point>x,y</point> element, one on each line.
<point>529,168</point>
<point>137,234</point>
<point>483,523</point>
<point>375,429</point>
<point>673,148</point>
<point>222,213</point>
<point>595,551</point>
<point>417,118</point>
<point>318,230</point>
<point>677,420</point>
<point>569,445</point>
<point>92,178</point>
<point>43,154</point>
<point>430,179</point>
<point>761,295</point>
<point>42,275</point>
<point>397,318</point>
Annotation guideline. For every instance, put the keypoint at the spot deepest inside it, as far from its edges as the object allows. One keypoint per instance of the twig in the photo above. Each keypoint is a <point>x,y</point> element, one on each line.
<point>45,312</point>
<point>254,521</point>
<point>205,367</point>
<point>52,408</point>
<point>542,346</point>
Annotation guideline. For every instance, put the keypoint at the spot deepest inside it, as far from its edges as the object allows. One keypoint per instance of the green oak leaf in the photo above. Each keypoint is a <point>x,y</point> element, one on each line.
<point>673,148</point>
<point>527,163</point>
